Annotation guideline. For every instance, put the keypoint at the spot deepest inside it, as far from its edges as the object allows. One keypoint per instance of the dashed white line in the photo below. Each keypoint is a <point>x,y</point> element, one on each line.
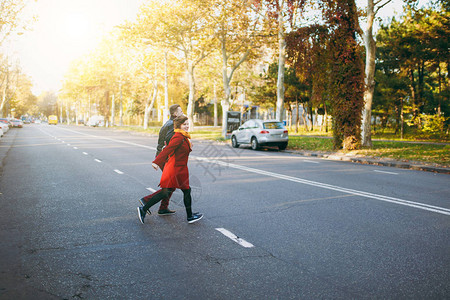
<point>75,148</point>
<point>118,171</point>
<point>98,160</point>
<point>385,172</point>
<point>151,190</point>
<point>235,238</point>
<point>85,153</point>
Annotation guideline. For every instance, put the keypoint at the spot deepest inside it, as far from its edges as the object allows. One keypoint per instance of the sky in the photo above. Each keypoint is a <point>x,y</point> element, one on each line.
<point>67,29</point>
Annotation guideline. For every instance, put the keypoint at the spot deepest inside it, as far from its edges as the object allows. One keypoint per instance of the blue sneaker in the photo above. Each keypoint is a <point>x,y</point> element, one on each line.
<point>195,217</point>
<point>141,214</point>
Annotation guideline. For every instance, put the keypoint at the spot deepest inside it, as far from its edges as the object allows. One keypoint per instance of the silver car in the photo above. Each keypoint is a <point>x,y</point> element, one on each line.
<point>259,133</point>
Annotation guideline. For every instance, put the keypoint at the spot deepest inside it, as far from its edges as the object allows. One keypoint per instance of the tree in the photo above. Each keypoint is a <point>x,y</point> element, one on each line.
<point>372,8</point>
<point>10,13</point>
<point>281,13</point>
<point>182,27</point>
<point>237,28</point>
<point>346,86</point>
<point>308,53</point>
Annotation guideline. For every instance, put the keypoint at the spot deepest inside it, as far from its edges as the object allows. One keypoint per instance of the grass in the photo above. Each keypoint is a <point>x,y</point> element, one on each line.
<point>422,152</point>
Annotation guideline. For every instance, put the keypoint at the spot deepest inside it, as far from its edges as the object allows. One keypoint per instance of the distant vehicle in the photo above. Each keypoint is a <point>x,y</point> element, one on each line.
<point>16,123</point>
<point>37,121</point>
<point>3,128</point>
<point>6,121</point>
<point>259,133</point>
<point>26,120</point>
<point>96,121</point>
<point>52,119</point>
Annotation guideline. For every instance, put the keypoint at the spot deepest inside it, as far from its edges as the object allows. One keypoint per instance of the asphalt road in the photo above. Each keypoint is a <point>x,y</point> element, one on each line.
<point>276,225</point>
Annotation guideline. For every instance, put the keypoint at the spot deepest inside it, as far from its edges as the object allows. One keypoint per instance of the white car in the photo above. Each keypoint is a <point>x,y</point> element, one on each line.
<point>259,133</point>
<point>4,128</point>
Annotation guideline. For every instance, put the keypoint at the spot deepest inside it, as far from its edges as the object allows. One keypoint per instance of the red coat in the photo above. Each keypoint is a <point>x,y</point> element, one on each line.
<point>175,173</point>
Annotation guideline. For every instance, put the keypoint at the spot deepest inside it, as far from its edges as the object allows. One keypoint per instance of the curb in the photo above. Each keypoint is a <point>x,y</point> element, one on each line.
<point>374,161</point>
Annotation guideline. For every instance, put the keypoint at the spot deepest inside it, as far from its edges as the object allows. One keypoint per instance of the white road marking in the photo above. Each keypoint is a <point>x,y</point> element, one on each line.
<point>441,210</point>
<point>118,171</point>
<point>151,190</point>
<point>98,160</point>
<point>235,238</point>
<point>392,173</point>
<point>75,148</point>
<point>311,161</point>
<point>110,139</point>
<point>85,153</point>
<point>68,144</point>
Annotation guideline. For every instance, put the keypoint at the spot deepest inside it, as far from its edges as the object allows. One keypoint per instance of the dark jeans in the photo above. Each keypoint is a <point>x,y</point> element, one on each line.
<point>164,193</point>
<point>164,202</point>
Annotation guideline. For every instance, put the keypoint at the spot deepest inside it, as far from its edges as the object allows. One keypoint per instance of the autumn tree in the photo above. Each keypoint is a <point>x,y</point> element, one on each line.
<point>181,27</point>
<point>237,29</point>
<point>347,75</point>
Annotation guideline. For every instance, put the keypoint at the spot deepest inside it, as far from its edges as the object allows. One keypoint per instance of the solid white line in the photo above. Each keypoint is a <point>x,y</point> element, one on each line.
<point>310,161</point>
<point>98,160</point>
<point>235,238</point>
<point>392,173</point>
<point>441,210</point>
<point>85,153</point>
<point>151,190</point>
<point>118,172</point>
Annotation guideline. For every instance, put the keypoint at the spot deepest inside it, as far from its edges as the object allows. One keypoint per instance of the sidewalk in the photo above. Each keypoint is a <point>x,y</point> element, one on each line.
<point>412,165</point>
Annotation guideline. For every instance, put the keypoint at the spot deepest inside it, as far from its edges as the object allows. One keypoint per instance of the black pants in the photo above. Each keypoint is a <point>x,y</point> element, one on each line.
<point>165,192</point>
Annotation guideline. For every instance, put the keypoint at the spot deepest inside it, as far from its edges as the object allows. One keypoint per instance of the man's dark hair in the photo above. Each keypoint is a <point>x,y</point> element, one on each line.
<point>178,121</point>
<point>173,109</point>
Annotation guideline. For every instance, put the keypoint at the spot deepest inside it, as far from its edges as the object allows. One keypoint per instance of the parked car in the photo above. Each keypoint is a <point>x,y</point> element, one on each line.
<point>16,123</point>
<point>258,133</point>
<point>4,128</point>
<point>96,121</point>
<point>6,121</point>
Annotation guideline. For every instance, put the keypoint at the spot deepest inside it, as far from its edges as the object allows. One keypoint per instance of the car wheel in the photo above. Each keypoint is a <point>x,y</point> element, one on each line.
<point>255,144</point>
<point>282,146</point>
<point>234,142</point>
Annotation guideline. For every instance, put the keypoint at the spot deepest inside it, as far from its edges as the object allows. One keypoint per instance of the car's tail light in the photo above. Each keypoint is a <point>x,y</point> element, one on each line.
<point>264,131</point>
<point>285,131</point>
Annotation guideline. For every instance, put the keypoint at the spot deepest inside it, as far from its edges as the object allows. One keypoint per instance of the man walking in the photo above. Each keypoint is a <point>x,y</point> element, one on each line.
<point>165,134</point>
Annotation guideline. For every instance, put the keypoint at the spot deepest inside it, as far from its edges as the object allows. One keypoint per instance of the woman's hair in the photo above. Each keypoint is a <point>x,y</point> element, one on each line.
<point>173,109</point>
<point>178,121</point>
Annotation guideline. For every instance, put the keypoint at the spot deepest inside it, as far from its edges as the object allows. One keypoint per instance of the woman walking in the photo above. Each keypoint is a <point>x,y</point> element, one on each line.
<point>175,174</point>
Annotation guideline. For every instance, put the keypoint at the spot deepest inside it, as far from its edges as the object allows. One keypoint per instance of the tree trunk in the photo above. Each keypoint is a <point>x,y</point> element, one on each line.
<point>297,121</point>
<point>120,104</point>
<point>215,107</point>
<point>113,108</point>
<point>191,102</point>
<point>281,66</point>
<point>370,45</point>
<point>166,89</point>
<point>149,106</point>
<point>4,92</point>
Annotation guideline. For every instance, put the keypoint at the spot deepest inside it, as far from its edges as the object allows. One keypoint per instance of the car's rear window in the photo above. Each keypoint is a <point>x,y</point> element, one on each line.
<point>273,125</point>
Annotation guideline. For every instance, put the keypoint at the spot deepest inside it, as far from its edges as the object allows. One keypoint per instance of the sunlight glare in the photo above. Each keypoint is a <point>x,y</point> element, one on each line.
<point>76,26</point>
